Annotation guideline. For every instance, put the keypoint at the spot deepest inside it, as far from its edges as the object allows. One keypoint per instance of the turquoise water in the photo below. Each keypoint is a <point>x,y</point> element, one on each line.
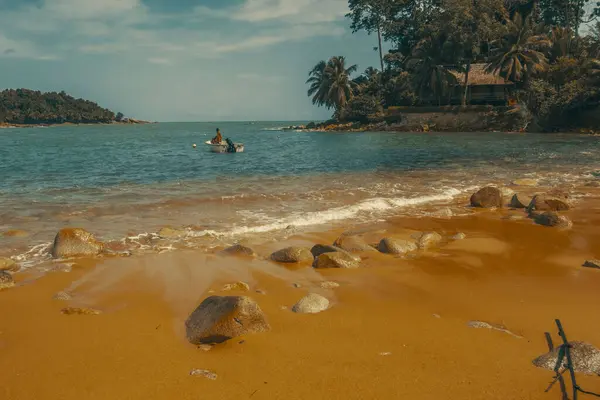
<point>120,181</point>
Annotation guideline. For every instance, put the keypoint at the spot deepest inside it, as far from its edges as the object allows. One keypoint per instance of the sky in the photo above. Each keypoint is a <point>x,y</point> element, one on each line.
<point>179,60</point>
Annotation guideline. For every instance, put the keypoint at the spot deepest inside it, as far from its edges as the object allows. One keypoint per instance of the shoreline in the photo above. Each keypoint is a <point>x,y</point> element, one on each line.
<point>4,125</point>
<point>392,322</point>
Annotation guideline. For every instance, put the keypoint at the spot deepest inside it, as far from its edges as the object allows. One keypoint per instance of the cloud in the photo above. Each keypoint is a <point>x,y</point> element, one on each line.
<point>303,11</point>
<point>160,61</point>
<point>258,78</point>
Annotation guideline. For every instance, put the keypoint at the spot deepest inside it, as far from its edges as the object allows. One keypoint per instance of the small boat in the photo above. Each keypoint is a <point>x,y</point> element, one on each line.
<point>222,147</point>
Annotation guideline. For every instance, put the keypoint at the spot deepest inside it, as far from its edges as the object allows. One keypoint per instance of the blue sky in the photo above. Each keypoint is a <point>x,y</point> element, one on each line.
<point>179,60</point>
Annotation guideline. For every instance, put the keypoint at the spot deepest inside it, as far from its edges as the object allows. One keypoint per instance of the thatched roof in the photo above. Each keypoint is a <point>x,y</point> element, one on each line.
<point>478,76</point>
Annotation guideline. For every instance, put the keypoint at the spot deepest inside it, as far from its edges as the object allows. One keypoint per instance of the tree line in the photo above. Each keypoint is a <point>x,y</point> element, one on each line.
<point>548,49</point>
<point>23,106</point>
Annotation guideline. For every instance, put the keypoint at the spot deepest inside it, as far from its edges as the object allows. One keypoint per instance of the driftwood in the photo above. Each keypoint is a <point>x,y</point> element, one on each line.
<point>564,362</point>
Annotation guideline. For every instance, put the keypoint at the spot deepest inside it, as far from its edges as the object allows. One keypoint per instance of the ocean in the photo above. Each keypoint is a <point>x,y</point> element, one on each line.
<point>124,183</point>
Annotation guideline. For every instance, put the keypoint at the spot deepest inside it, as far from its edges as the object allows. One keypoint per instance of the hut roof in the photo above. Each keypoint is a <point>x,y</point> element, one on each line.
<point>478,76</point>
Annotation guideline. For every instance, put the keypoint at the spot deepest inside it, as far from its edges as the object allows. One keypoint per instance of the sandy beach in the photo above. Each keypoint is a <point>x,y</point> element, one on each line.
<point>397,327</point>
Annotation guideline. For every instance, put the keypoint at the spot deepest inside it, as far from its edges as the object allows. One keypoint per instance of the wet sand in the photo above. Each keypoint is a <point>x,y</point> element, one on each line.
<point>397,328</point>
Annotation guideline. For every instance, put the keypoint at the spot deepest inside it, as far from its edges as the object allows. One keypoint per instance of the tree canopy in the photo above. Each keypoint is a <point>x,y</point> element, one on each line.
<point>23,106</point>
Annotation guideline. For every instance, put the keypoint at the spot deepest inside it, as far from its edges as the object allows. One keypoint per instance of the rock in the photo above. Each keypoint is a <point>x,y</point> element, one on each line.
<point>170,233</point>
<point>6,280</point>
<point>297,285</point>
<point>488,197</point>
<point>62,296</point>
<point>525,182</point>
<point>16,233</point>
<point>520,201</point>
<point>292,255</point>
<point>585,358</point>
<point>352,244</point>
<point>396,246</point>
<point>311,304</point>
<point>238,250</point>
<point>592,264</point>
<point>336,260</point>
<point>239,286</point>
<point>73,242</point>
<point>545,203</point>
<point>329,285</point>
<point>6,264</point>
<point>552,219</point>
<point>319,249</point>
<point>515,217</point>
<point>80,311</point>
<point>205,347</point>
<point>506,193</point>
<point>458,236</point>
<point>429,239</point>
<point>220,318</point>
<point>204,373</point>
<point>593,184</point>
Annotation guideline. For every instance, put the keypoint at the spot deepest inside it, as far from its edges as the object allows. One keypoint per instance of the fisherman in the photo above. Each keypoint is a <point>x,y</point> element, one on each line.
<point>217,139</point>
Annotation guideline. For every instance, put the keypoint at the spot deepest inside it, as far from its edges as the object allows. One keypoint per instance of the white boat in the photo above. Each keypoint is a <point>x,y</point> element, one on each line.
<point>222,147</point>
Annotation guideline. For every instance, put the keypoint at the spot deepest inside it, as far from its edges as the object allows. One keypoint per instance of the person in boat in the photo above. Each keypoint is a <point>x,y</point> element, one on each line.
<point>217,139</point>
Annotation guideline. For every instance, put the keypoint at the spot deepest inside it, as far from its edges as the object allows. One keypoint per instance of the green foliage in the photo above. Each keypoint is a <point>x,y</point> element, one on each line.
<point>22,106</point>
<point>362,108</point>
<point>119,117</point>
<point>330,83</point>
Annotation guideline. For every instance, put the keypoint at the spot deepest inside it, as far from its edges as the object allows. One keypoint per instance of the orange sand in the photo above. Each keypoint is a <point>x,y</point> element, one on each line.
<point>380,339</point>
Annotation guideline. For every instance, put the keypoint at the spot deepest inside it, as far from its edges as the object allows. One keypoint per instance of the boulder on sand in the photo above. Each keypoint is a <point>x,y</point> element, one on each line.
<point>396,246</point>
<point>74,242</point>
<point>292,255</point>
<point>6,264</point>
<point>520,201</point>
<point>336,260</point>
<point>585,358</point>
<point>353,244</point>
<point>552,219</point>
<point>319,249</point>
<point>238,250</point>
<point>547,203</point>
<point>592,264</point>
<point>311,304</point>
<point>6,280</point>
<point>220,318</point>
<point>488,197</point>
<point>428,240</point>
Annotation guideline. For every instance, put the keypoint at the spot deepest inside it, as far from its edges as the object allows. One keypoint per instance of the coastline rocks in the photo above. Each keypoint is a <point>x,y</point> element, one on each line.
<point>429,239</point>
<point>585,358</point>
<point>592,264</point>
<point>353,244</point>
<point>396,246</point>
<point>319,249</point>
<point>170,233</point>
<point>220,318</point>
<point>238,250</point>
<point>546,203</point>
<point>80,311</point>
<point>520,201</point>
<point>6,264</point>
<point>74,242</point>
<point>292,255</point>
<point>552,219</point>
<point>336,260</point>
<point>311,304</point>
<point>239,286</point>
<point>6,280</point>
<point>488,197</point>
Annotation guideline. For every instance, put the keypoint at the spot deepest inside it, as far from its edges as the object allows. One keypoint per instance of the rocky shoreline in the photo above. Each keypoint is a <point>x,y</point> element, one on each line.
<point>4,125</point>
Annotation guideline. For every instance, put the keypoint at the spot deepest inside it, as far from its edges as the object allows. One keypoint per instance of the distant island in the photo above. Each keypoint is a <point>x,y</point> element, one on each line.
<point>24,107</point>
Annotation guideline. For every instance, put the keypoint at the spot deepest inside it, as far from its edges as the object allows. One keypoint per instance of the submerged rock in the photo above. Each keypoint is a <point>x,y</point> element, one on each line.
<point>592,264</point>
<point>238,250</point>
<point>239,286</point>
<point>353,244</point>
<point>6,264</point>
<point>292,255</point>
<point>220,318</point>
<point>311,304</point>
<point>204,373</point>
<point>520,201</point>
<point>494,327</point>
<point>319,249</point>
<point>6,280</point>
<point>488,197</point>
<point>74,242</point>
<point>429,239</point>
<point>62,296</point>
<point>585,358</point>
<point>329,285</point>
<point>80,311</point>
<point>546,203</point>
<point>170,233</point>
<point>459,236</point>
<point>336,260</point>
<point>396,246</point>
<point>552,219</point>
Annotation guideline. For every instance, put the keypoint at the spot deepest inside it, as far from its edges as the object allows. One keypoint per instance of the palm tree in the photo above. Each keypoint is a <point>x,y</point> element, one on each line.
<point>521,51</point>
<point>429,73</point>
<point>330,83</point>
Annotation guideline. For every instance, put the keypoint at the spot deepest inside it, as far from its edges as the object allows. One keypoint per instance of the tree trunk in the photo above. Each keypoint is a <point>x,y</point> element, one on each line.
<point>380,49</point>
<point>467,70</point>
